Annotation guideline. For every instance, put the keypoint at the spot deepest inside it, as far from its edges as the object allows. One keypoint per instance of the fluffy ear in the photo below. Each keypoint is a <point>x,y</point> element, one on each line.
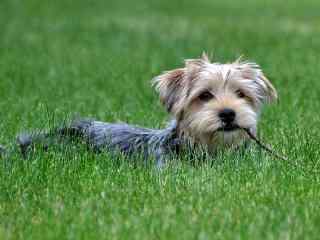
<point>169,85</point>
<point>173,85</point>
<point>265,90</point>
<point>270,92</point>
<point>205,57</point>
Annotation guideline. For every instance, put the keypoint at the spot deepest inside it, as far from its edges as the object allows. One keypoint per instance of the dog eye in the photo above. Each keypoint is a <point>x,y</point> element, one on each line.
<point>206,96</point>
<point>240,94</point>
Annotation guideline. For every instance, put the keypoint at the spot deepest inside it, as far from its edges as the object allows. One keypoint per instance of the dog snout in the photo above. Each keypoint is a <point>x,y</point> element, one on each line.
<point>227,115</point>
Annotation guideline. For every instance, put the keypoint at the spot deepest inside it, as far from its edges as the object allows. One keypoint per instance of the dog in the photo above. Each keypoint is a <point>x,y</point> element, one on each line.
<point>209,104</point>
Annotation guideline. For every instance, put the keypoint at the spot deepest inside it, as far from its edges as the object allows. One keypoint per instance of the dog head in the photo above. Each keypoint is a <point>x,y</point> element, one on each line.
<point>212,101</point>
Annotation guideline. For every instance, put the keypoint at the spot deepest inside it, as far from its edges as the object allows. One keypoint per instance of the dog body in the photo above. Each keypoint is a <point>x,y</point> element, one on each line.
<point>209,102</point>
<point>112,137</point>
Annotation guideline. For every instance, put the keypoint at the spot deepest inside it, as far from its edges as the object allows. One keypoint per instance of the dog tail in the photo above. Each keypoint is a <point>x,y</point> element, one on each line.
<point>45,138</point>
<point>3,151</point>
<point>26,140</point>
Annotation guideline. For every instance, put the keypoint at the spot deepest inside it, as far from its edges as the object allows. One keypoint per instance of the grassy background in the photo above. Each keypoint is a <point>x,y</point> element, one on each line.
<point>95,58</point>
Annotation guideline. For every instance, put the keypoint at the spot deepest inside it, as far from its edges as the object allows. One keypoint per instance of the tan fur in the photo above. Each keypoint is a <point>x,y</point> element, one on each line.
<point>240,86</point>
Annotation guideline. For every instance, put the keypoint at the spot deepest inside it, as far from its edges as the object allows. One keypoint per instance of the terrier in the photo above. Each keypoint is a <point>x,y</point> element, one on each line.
<point>209,104</point>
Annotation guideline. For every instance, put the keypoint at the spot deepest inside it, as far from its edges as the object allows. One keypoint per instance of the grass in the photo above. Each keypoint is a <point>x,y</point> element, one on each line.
<point>96,58</point>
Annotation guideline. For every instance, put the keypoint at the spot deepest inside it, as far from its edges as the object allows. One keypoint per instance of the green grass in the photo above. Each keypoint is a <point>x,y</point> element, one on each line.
<point>96,58</point>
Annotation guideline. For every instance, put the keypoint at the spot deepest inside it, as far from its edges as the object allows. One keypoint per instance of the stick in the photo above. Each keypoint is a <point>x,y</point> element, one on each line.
<point>264,146</point>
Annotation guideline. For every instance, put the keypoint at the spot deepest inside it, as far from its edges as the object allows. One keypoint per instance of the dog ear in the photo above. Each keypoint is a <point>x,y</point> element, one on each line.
<point>195,64</point>
<point>173,85</point>
<point>169,85</point>
<point>205,57</point>
<point>265,90</point>
<point>270,93</point>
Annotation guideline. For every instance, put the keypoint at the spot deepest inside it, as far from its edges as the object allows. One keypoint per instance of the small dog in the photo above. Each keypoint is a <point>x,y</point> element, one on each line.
<point>209,102</point>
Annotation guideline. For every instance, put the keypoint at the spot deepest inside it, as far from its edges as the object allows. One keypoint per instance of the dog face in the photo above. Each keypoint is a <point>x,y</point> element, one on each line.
<point>212,101</point>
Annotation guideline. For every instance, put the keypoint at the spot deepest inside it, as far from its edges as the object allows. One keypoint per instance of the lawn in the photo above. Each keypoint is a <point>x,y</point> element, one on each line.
<point>95,59</point>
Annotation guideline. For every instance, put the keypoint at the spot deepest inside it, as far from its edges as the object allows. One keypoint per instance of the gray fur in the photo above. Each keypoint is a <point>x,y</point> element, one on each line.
<point>112,137</point>
<point>3,150</point>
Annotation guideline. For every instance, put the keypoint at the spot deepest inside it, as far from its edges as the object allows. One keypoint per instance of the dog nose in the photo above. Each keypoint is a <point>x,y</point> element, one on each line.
<point>227,115</point>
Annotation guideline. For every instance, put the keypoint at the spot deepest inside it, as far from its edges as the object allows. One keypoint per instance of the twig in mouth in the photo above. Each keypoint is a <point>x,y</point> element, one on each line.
<point>264,146</point>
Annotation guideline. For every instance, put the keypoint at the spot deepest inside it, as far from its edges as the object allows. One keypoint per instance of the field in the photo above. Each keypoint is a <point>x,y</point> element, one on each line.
<point>95,59</point>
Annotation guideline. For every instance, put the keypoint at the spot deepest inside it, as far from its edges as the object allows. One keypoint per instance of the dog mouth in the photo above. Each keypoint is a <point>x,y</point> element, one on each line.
<point>229,127</point>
